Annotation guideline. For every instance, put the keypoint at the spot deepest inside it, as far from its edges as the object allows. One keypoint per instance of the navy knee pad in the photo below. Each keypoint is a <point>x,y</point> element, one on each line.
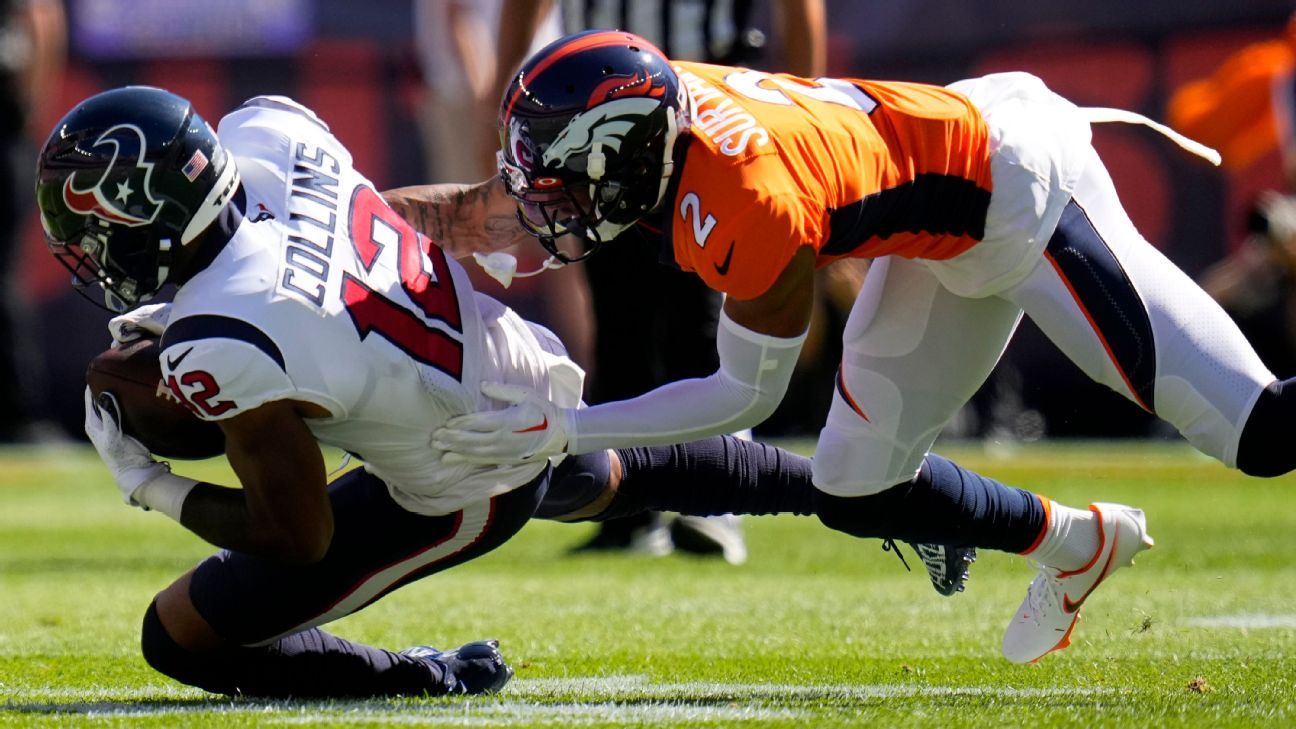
<point>1265,448</point>
<point>576,482</point>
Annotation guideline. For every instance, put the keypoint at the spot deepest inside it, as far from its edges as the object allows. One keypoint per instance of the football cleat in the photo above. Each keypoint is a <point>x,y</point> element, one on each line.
<point>645,533</point>
<point>710,535</point>
<point>473,668</point>
<point>1047,616</point>
<point>947,567</point>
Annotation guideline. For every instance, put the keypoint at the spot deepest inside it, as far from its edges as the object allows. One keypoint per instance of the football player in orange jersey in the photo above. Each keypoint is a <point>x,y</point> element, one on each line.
<point>980,202</point>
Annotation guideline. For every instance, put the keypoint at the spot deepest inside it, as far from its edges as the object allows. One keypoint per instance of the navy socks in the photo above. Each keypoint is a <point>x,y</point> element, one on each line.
<point>311,664</point>
<point>946,504</point>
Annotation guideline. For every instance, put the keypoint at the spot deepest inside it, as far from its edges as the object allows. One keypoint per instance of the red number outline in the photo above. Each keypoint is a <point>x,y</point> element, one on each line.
<point>433,293</point>
<point>202,398</point>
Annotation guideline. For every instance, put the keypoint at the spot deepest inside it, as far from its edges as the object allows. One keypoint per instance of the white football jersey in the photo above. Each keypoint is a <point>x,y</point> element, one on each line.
<point>323,294</point>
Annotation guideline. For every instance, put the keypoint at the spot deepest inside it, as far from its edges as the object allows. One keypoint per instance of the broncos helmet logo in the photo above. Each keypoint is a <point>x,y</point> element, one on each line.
<point>130,200</point>
<point>606,124</point>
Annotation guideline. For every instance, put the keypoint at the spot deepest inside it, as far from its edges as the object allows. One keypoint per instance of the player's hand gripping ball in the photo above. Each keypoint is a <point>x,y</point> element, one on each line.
<point>151,414</point>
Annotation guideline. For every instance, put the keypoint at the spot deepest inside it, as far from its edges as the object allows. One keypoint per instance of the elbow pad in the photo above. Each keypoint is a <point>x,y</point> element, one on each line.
<point>758,365</point>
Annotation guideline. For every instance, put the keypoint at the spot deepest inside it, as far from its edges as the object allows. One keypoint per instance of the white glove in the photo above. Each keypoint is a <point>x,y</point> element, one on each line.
<point>530,430</point>
<point>129,461</point>
<point>150,319</point>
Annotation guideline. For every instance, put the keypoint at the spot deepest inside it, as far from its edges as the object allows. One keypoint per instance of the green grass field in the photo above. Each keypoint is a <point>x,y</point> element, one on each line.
<point>816,630</point>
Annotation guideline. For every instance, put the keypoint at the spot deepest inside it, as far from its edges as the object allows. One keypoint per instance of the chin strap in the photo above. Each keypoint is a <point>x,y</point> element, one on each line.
<point>503,266</point>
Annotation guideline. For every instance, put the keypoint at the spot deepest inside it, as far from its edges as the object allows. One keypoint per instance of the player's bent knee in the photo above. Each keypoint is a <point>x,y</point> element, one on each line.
<point>169,658</point>
<point>1264,448</point>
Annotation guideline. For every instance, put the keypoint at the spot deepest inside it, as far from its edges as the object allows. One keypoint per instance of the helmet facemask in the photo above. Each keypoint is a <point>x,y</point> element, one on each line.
<point>588,131</point>
<point>124,280</point>
<point>127,179</point>
<point>580,209</point>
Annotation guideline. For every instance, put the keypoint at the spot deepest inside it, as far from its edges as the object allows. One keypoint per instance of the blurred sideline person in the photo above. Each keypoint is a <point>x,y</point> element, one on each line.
<point>979,202</point>
<point>653,323</point>
<point>309,312</point>
<point>32,54</point>
<point>1246,108</point>
<point>455,41</point>
<point>1256,283</point>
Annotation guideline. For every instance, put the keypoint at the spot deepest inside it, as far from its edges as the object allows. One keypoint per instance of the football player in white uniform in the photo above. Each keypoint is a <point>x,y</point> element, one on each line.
<point>309,312</point>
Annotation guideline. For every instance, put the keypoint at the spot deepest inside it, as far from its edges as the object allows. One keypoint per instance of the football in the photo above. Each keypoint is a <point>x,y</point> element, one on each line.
<point>150,412</point>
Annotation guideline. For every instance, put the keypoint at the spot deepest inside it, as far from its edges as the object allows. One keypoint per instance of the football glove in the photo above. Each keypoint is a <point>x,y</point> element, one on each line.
<point>147,320</point>
<point>531,429</point>
<point>129,461</point>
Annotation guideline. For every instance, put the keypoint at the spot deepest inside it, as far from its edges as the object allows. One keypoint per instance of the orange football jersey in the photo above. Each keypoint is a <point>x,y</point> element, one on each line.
<point>850,167</point>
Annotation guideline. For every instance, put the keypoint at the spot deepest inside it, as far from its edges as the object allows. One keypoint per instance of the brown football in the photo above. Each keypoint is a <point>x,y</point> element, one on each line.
<point>150,413</point>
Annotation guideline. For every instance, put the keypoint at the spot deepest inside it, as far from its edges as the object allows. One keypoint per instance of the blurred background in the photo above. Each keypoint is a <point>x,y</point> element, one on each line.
<point>364,68</point>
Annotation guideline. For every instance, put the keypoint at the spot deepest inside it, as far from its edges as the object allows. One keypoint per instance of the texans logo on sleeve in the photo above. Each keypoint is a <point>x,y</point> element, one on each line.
<point>122,193</point>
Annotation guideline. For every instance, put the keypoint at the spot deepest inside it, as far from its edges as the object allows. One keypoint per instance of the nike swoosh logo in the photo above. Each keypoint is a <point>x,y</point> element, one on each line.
<point>1072,607</point>
<point>174,363</point>
<point>541,426</point>
<point>723,268</point>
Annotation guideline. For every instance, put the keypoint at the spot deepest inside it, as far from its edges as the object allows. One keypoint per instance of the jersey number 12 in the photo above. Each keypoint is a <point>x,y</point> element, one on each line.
<point>433,294</point>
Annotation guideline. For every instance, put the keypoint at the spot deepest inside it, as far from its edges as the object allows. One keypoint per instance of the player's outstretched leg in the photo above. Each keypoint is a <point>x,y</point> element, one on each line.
<point>944,504</point>
<point>239,624</point>
<point>1071,568</point>
<point>948,503</point>
<point>316,664</point>
<point>719,475</point>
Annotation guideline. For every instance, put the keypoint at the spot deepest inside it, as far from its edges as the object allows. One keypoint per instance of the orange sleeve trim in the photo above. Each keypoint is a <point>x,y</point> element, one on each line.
<point>1047,504</point>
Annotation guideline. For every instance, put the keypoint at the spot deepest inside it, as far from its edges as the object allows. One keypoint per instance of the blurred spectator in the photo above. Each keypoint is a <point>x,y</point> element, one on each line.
<point>33,43</point>
<point>654,323</point>
<point>1256,284</point>
<point>456,43</point>
<point>1245,109</point>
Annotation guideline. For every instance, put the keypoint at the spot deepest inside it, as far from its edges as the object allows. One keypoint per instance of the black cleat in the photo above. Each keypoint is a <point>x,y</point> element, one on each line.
<point>946,566</point>
<point>473,668</point>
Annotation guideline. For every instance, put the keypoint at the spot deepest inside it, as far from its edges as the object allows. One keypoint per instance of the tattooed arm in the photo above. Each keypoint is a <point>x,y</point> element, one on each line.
<point>461,218</point>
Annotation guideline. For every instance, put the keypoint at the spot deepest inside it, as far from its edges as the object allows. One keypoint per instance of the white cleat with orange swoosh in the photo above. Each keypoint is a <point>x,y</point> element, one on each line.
<point>1047,616</point>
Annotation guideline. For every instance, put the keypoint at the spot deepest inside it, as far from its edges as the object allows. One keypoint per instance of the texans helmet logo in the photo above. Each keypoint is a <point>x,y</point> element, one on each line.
<point>128,199</point>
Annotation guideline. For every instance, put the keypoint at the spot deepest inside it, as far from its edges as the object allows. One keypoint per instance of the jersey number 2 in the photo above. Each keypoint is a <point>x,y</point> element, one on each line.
<point>432,293</point>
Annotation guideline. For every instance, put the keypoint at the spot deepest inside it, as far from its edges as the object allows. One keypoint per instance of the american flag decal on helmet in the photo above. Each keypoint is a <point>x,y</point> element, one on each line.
<point>194,167</point>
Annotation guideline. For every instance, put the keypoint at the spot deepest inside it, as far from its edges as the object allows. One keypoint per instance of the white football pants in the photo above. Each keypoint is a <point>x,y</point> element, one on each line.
<point>1129,318</point>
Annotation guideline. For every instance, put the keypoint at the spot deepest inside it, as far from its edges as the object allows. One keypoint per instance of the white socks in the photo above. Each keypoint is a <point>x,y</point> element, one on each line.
<point>1070,538</point>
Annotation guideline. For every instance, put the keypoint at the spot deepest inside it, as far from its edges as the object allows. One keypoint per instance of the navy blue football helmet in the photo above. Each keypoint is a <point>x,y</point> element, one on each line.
<point>587,132</point>
<point>127,178</point>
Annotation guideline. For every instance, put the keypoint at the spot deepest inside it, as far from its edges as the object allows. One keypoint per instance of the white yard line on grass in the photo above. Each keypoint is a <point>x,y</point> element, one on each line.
<point>611,688</point>
<point>1246,621</point>
<point>629,699</point>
